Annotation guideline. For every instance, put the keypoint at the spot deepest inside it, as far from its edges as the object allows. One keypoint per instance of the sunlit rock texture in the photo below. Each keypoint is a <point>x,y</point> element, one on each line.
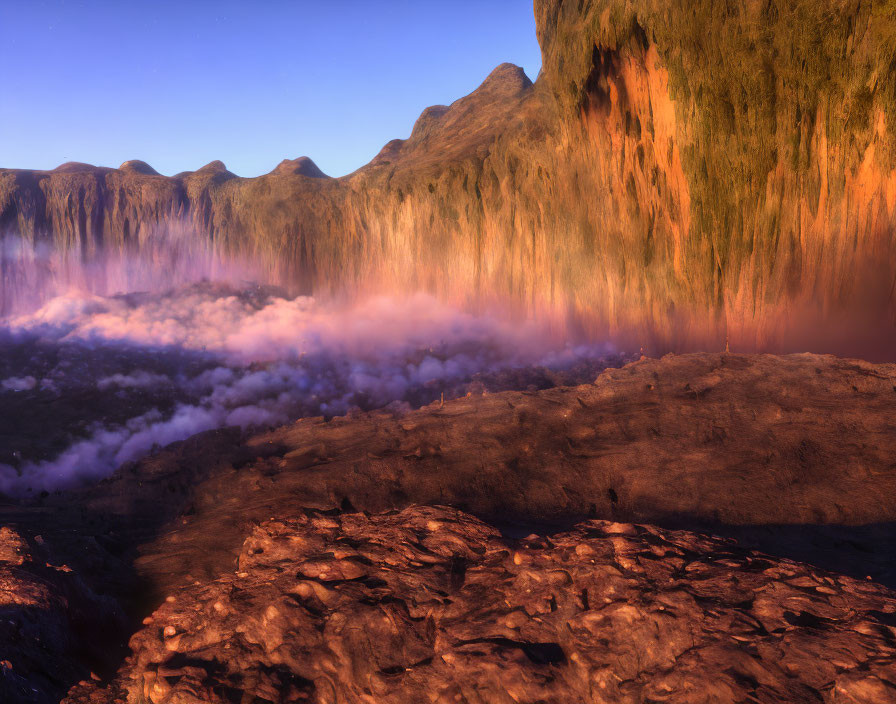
<point>317,562</point>
<point>432,605</point>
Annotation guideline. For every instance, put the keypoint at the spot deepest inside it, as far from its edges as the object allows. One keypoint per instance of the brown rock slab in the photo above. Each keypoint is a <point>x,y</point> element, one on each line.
<point>793,454</point>
<point>431,604</point>
<point>727,442</point>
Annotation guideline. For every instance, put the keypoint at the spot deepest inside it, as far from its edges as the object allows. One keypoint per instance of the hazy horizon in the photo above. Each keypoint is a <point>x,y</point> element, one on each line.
<point>179,85</point>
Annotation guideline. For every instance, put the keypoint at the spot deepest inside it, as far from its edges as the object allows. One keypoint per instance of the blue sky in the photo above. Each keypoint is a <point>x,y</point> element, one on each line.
<point>179,84</point>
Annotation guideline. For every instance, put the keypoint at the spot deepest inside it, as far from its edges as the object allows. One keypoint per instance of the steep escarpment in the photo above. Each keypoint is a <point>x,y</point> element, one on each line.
<point>680,175</point>
<point>759,138</point>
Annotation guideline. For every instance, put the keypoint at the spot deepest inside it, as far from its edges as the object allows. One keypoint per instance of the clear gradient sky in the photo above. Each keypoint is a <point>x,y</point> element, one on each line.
<point>179,84</point>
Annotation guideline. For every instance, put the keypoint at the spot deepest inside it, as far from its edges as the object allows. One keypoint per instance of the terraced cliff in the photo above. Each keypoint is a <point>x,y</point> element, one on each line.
<point>681,174</point>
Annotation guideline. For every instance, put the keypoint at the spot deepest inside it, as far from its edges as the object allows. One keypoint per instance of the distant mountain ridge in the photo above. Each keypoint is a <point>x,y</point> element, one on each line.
<point>680,175</point>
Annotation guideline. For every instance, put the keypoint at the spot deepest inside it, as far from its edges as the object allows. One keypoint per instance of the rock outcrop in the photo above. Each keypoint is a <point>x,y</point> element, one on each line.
<point>429,604</point>
<point>679,175</point>
<point>308,563</point>
<point>138,167</point>
<point>303,166</point>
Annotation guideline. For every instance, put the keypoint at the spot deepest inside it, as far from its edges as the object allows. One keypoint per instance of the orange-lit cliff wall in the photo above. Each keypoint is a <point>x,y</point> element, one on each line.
<point>757,142</point>
<point>684,173</point>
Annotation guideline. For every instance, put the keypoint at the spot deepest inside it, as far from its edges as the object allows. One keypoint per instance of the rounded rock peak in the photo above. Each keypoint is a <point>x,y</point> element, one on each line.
<point>215,166</point>
<point>303,166</point>
<point>433,112</point>
<point>391,151</point>
<point>430,117</point>
<point>507,77</point>
<point>135,166</point>
<point>72,167</point>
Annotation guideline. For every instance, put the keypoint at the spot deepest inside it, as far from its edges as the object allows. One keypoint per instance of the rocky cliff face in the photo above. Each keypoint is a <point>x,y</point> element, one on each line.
<point>680,174</point>
<point>755,145</point>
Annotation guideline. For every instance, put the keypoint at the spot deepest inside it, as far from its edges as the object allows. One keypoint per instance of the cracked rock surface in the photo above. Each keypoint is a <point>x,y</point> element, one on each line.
<point>318,562</point>
<point>430,604</point>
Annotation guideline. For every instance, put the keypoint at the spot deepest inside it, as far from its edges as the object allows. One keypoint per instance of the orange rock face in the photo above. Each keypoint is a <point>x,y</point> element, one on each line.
<point>677,177</point>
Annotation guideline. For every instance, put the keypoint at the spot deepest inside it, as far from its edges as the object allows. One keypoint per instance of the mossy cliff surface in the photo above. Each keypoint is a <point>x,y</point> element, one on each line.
<point>683,172</point>
<point>756,141</point>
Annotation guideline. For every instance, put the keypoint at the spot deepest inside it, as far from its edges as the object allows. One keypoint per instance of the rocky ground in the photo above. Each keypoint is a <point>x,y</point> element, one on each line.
<point>320,562</point>
<point>433,605</point>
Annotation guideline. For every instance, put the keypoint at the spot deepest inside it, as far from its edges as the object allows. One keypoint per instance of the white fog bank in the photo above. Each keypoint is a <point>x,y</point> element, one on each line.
<point>253,357</point>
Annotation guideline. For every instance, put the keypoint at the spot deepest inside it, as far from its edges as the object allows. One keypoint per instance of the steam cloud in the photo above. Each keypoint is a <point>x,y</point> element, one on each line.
<point>166,364</point>
<point>161,258</point>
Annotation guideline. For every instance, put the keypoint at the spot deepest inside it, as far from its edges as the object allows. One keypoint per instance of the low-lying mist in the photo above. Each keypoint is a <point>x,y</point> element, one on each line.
<point>106,360</point>
<point>166,257</point>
